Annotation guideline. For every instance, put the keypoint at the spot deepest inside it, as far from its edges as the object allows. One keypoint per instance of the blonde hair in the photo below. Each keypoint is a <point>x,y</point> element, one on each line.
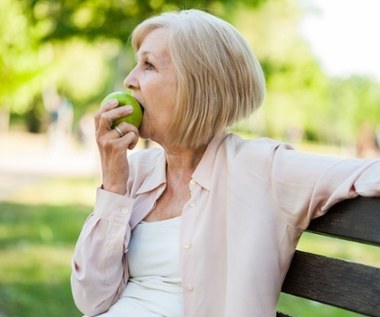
<point>219,79</point>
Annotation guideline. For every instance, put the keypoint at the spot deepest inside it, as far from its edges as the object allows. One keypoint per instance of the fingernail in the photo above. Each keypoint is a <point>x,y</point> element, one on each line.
<point>113,102</point>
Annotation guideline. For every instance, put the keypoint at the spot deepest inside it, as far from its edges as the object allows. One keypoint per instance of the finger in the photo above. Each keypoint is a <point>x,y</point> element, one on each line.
<point>119,131</point>
<point>111,104</point>
<point>130,134</point>
<point>132,139</point>
<point>128,141</point>
<point>108,117</point>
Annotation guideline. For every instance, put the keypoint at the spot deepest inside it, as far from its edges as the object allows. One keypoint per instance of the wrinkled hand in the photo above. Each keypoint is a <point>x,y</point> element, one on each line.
<point>113,145</point>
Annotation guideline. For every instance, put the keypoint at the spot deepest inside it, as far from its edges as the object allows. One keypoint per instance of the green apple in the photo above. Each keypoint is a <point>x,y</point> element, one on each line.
<point>123,99</point>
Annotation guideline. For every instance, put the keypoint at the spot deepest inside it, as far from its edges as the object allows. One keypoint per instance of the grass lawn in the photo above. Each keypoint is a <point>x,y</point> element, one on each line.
<point>38,229</point>
<point>39,225</point>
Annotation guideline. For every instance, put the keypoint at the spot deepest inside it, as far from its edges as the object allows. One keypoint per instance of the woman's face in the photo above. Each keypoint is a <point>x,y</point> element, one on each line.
<point>153,82</point>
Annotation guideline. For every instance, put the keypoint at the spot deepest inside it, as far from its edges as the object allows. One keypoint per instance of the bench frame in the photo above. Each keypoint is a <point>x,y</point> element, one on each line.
<point>348,285</point>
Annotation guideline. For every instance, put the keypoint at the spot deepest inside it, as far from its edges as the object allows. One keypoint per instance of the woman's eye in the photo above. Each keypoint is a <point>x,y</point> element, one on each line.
<point>148,66</point>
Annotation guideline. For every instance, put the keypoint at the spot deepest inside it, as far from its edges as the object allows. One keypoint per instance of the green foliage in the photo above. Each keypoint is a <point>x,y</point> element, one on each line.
<point>20,64</point>
<point>296,85</point>
<point>79,49</point>
<point>72,46</point>
<point>63,19</point>
<point>354,101</point>
<point>302,101</point>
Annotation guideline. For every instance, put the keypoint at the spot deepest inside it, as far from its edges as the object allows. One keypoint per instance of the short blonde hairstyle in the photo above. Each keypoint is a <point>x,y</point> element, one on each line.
<point>219,79</point>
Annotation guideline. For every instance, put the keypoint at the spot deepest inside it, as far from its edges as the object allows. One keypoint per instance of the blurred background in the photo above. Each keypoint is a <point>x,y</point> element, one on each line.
<point>59,58</point>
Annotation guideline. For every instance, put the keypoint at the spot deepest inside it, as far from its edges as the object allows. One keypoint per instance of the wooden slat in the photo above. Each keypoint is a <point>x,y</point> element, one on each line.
<point>354,219</point>
<point>355,287</point>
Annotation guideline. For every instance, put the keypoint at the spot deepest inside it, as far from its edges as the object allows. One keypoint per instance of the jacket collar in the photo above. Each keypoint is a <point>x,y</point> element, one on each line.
<point>156,175</point>
<point>203,173</point>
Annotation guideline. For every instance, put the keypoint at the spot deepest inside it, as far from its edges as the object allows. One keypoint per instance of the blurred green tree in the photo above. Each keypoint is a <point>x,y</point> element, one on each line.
<point>302,102</point>
<point>78,48</point>
<point>296,84</point>
<point>353,102</point>
<point>94,19</point>
<point>20,63</point>
<point>73,47</point>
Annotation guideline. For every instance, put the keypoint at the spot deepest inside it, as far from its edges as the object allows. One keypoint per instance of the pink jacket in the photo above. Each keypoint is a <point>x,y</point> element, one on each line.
<point>250,202</point>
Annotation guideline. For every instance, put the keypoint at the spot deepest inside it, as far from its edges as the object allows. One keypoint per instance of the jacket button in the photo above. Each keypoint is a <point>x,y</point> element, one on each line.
<point>187,245</point>
<point>189,287</point>
<point>124,211</point>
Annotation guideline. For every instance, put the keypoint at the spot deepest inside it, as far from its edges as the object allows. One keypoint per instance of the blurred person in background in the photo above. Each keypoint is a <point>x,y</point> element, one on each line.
<point>61,116</point>
<point>367,145</point>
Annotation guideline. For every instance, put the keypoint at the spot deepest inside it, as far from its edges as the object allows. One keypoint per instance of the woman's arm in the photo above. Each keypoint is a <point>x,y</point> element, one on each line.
<point>306,185</point>
<point>99,270</point>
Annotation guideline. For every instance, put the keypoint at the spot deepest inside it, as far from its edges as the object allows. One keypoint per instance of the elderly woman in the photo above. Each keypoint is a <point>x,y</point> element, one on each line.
<point>206,225</point>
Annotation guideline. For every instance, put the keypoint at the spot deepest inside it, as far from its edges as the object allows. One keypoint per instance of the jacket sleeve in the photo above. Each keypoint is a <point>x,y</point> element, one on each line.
<point>99,269</point>
<point>305,186</point>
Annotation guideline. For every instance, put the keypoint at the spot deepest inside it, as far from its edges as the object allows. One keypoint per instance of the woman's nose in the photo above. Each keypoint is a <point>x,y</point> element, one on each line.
<point>131,81</point>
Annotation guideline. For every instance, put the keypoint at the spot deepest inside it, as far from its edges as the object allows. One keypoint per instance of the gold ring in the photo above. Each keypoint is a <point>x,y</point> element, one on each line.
<point>118,130</point>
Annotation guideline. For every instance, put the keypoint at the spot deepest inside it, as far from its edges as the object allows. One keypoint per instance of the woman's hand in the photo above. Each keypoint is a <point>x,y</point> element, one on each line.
<point>113,145</point>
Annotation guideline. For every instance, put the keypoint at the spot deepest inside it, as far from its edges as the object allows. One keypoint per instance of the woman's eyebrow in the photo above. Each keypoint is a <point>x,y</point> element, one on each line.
<point>144,54</point>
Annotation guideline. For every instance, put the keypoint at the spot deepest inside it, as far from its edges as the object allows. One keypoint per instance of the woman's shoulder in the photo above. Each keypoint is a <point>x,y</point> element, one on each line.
<point>258,154</point>
<point>260,146</point>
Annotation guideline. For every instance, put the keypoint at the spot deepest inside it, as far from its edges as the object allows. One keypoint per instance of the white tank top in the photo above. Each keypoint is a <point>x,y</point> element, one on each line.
<point>154,288</point>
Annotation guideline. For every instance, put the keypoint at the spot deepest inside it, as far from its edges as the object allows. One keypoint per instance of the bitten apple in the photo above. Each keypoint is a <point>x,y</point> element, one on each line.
<point>123,99</point>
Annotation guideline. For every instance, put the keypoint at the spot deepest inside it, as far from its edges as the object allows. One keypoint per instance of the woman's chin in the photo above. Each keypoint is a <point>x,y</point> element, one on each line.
<point>143,134</point>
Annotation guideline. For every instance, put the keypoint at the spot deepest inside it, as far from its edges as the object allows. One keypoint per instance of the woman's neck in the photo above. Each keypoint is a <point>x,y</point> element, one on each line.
<point>181,163</point>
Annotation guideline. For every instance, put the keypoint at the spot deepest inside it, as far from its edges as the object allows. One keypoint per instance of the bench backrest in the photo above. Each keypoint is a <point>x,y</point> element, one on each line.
<point>351,286</point>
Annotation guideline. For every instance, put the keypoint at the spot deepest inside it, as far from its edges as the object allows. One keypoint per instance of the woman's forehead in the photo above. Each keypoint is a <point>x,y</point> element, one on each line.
<point>155,45</point>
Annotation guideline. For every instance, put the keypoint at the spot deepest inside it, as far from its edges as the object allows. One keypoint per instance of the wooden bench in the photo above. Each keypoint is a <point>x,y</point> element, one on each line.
<point>351,286</point>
